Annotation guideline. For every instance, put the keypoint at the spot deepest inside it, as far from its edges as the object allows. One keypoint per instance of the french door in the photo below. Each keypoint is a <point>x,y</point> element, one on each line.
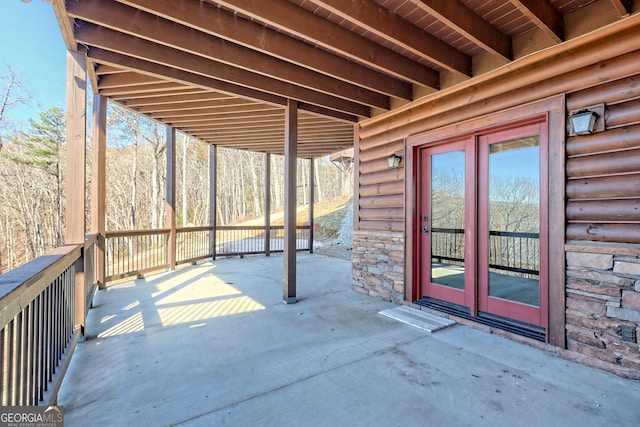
<point>483,223</point>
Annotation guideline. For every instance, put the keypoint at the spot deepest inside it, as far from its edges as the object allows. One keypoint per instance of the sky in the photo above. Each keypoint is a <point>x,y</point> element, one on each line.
<point>31,44</point>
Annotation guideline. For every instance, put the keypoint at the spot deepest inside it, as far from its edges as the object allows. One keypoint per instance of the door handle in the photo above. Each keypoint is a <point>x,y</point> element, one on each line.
<point>425,229</point>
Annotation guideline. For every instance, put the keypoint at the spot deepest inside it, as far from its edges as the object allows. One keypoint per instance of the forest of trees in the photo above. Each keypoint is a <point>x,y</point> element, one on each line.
<point>32,171</point>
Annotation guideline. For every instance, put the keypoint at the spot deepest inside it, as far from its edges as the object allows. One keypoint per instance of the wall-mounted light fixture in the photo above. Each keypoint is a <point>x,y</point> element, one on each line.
<point>583,122</point>
<point>394,160</point>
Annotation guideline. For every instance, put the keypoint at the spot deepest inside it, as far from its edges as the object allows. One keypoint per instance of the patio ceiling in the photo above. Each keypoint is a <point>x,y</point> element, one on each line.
<point>222,71</point>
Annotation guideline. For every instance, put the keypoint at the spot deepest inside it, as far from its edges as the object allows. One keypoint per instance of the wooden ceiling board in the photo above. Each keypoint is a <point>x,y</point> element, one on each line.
<point>159,61</point>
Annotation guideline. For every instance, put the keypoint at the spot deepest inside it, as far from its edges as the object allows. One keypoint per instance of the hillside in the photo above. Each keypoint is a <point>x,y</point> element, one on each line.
<point>331,217</point>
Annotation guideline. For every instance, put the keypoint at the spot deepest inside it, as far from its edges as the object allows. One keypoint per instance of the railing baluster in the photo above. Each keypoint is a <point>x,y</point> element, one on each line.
<point>28,360</point>
<point>12,360</point>
<point>37,349</point>
<point>3,368</point>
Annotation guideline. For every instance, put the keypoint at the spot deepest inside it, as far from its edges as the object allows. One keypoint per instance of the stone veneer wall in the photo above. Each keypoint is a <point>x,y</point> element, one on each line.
<point>602,291</point>
<point>603,295</point>
<point>378,264</point>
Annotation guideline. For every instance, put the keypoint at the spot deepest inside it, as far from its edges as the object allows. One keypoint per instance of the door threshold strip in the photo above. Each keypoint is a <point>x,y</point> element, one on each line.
<point>530,331</point>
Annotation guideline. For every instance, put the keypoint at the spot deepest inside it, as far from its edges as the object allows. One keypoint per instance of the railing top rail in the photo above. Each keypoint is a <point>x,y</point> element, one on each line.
<point>491,232</point>
<point>257,227</point>
<point>21,285</point>
<point>199,228</point>
<point>90,239</point>
<point>130,233</point>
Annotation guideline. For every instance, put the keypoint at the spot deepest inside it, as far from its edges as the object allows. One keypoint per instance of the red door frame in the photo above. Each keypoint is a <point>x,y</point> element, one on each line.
<point>465,297</point>
<point>472,209</point>
<point>510,309</point>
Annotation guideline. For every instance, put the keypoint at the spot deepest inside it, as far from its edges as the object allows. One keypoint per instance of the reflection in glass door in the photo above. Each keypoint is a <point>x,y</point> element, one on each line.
<point>514,220</point>
<point>442,227</point>
<point>512,224</point>
<point>447,219</point>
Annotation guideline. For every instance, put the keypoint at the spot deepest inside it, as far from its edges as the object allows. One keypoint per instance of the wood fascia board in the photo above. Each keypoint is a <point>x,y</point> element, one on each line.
<point>294,20</point>
<point>110,40</point>
<point>623,29</point>
<point>139,24</point>
<point>219,23</point>
<point>463,20</point>
<point>65,23</point>
<point>623,7</point>
<point>390,26</point>
<point>92,75</point>
<point>544,16</point>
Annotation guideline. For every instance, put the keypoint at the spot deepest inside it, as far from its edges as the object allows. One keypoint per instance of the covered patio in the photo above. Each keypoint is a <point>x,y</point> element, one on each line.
<point>212,344</point>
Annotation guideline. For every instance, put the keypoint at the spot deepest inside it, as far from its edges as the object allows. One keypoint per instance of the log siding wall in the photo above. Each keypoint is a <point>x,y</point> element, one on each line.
<point>602,190</point>
<point>603,169</point>
<point>603,205</point>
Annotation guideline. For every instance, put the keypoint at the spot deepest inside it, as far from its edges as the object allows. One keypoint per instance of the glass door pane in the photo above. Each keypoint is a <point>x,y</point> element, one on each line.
<point>447,218</point>
<point>514,220</point>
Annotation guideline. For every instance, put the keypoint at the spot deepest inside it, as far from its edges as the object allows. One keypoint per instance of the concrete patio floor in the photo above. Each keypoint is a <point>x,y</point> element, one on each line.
<point>213,345</point>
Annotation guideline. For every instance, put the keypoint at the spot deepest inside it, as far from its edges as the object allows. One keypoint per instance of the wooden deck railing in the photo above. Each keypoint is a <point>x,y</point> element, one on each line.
<point>40,322</point>
<point>513,252</point>
<point>132,253</point>
<point>44,303</point>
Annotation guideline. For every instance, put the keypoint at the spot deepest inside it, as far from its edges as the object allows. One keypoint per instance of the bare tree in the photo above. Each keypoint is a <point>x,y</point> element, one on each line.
<point>13,93</point>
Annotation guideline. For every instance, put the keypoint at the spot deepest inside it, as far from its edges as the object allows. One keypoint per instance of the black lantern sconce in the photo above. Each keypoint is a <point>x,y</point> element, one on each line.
<point>394,160</point>
<point>583,122</point>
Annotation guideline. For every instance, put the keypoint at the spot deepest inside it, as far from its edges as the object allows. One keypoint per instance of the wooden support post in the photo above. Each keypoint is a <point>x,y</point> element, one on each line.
<point>267,204</point>
<point>312,199</point>
<point>171,196</point>
<point>213,191</point>
<point>290,181</point>
<point>76,134</point>
<point>98,183</point>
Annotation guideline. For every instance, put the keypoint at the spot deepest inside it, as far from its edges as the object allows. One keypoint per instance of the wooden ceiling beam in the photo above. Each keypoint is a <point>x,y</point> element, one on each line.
<point>157,30</point>
<point>197,107</point>
<point>218,22</point>
<point>544,15</point>
<point>378,20</point>
<point>274,131</point>
<point>107,69</point>
<point>471,26</point>
<point>178,99</point>
<point>126,80</point>
<point>234,78</point>
<point>212,121</point>
<point>274,140</point>
<point>180,76</point>
<point>234,119</point>
<point>133,96</point>
<point>263,123</point>
<point>207,112</point>
<point>294,20</point>
<point>202,83</point>
<point>139,89</point>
